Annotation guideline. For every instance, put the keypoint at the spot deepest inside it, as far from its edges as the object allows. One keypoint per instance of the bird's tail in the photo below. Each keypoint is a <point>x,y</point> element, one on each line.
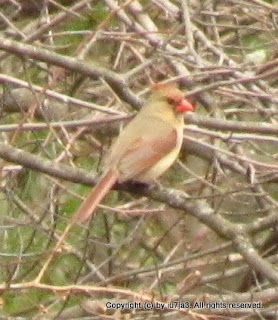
<point>95,196</point>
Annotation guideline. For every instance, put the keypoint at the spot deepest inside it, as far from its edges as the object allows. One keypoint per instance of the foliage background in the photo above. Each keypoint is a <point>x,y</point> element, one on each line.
<point>72,73</point>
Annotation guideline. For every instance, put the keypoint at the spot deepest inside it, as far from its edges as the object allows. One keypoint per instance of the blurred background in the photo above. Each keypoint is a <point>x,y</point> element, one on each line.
<point>72,73</point>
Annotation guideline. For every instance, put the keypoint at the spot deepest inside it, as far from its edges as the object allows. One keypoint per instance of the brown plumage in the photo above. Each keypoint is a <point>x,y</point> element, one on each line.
<point>146,147</point>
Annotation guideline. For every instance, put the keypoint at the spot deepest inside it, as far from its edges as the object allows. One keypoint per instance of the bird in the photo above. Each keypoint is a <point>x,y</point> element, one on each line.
<point>146,147</point>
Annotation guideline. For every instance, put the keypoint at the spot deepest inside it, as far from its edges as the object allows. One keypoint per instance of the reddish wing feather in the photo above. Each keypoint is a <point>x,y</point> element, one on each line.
<point>143,153</point>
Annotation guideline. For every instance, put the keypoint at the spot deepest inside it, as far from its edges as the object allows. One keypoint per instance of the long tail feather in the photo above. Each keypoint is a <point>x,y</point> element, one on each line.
<point>95,196</point>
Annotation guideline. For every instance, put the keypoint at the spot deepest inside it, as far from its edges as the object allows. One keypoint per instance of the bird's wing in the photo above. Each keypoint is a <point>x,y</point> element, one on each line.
<point>144,152</point>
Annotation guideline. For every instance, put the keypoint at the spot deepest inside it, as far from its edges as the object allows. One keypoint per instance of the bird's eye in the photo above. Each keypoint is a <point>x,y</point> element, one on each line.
<point>171,100</point>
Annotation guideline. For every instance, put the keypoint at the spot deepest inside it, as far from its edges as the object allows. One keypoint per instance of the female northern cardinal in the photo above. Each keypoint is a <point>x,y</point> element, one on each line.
<point>145,148</point>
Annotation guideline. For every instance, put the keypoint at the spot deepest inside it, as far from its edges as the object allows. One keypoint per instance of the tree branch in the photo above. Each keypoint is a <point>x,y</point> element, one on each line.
<point>115,80</point>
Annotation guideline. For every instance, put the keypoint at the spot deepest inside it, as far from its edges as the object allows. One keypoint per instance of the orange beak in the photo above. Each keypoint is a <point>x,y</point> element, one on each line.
<point>184,106</point>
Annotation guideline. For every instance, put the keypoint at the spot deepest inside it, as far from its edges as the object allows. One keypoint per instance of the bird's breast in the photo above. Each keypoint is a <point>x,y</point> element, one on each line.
<point>163,164</point>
